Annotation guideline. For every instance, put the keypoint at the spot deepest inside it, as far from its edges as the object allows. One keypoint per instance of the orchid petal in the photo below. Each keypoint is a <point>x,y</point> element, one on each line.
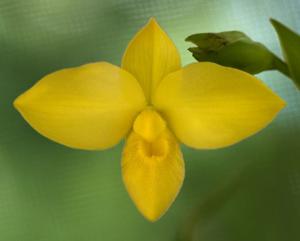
<point>150,56</point>
<point>89,107</point>
<point>211,106</point>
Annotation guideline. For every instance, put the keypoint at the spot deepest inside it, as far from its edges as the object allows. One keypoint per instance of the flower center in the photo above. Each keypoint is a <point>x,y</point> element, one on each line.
<point>149,125</point>
<point>159,148</point>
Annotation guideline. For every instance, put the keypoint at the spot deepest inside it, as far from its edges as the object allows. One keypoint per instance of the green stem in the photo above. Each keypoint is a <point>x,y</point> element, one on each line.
<point>281,66</point>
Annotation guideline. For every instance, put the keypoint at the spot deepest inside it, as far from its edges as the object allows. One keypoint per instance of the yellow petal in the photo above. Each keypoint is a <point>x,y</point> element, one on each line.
<point>149,124</point>
<point>89,107</point>
<point>210,106</point>
<point>150,56</point>
<point>153,173</point>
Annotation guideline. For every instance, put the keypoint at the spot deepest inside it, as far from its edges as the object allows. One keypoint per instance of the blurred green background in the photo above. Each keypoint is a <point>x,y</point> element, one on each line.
<point>250,191</point>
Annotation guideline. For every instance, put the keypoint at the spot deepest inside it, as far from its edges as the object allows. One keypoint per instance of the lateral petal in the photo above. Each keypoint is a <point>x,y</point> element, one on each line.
<point>211,106</point>
<point>89,107</point>
<point>153,173</point>
<point>150,56</point>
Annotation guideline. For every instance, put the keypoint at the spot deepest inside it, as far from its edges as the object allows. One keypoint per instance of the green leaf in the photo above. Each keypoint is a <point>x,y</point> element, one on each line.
<point>290,44</point>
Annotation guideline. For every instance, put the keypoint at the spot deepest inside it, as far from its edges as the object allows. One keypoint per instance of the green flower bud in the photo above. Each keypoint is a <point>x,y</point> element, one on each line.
<point>234,49</point>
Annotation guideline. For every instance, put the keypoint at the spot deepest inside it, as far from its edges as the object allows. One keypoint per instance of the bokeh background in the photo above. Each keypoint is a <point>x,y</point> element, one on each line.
<point>250,191</point>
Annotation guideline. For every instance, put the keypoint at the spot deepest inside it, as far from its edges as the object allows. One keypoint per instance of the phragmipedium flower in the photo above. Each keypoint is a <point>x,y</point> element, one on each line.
<point>155,104</point>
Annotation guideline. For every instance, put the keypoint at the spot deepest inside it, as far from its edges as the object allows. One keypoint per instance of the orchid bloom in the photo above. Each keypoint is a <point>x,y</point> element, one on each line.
<point>154,104</point>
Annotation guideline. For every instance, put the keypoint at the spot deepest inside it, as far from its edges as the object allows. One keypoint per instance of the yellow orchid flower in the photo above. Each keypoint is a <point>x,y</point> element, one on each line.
<point>154,103</point>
